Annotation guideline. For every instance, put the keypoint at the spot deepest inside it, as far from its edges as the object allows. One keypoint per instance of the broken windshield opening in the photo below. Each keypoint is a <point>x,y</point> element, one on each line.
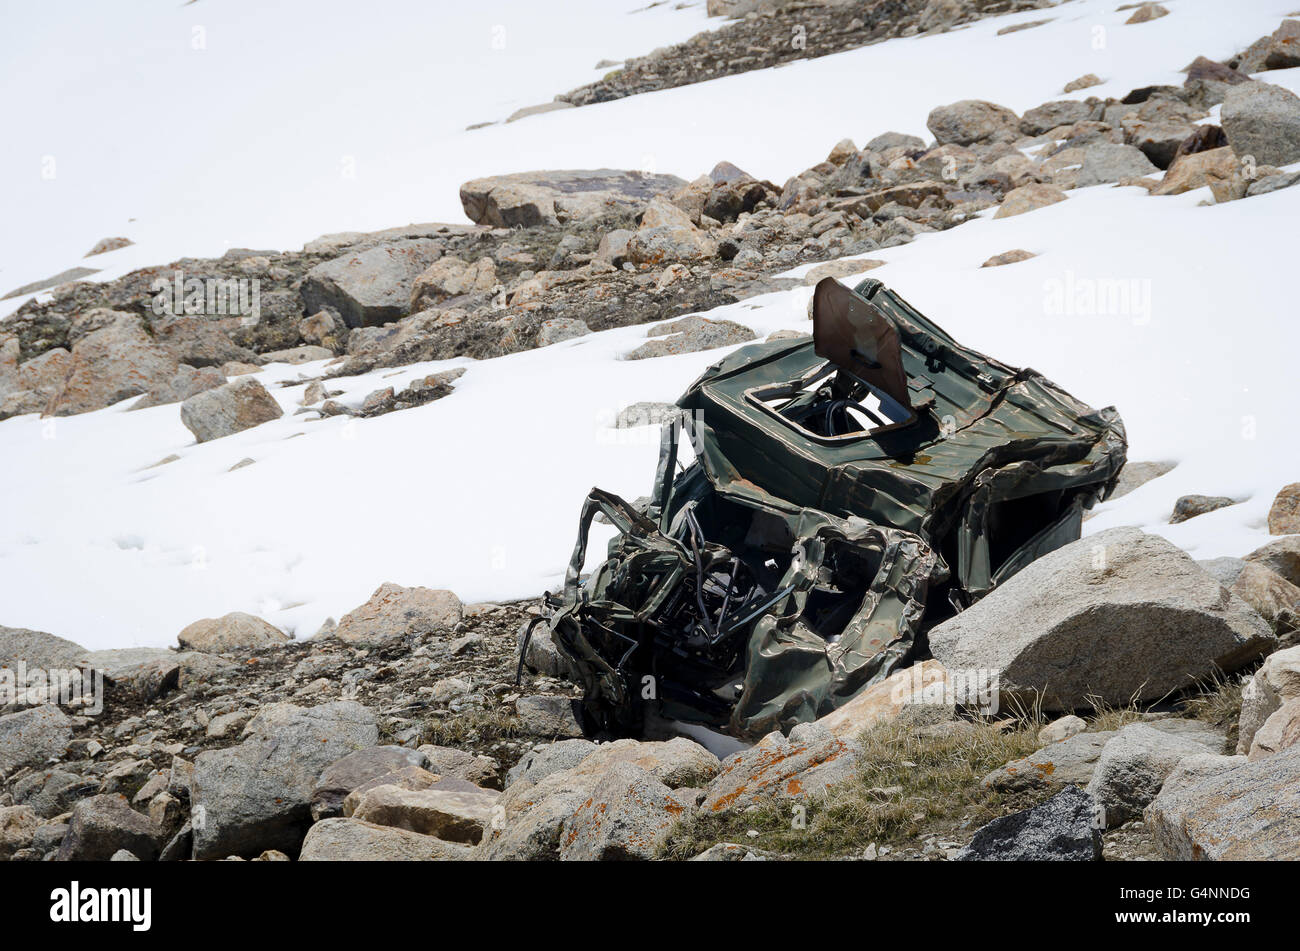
<point>831,402</point>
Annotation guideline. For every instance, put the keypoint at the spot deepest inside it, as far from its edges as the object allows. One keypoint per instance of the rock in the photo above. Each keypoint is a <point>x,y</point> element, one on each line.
<point>17,829</point>
<point>1132,768</point>
<point>689,335</point>
<point>557,329</point>
<point>233,631</point>
<point>460,764</point>
<point>1271,183</point>
<point>452,810</point>
<point>533,198</point>
<point>294,356</point>
<point>613,246</point>
<point>408,777</point>
<point>797,769</point>
<point>1062,729</point>
<point>727,852</point>
<point>101,825</point>
<point>1281,557</point>
<point>1198,170</point>
<point>1275,599</point>
<point>394,611</point>
<point>1275,683</point>
<point>1070,761</point>
<point>1060,830</point>
<point>547,716</point>
<point>370,287</point>
<point>538,109</point>
<point>1009,257</point>
<point>1053,115</point>
<point>1147,12</point>
<point>926,684</point>
<point>1132,617</point>
<point>1262,120</point>
<point>971,120</point>
<point>1105,162</point>
<point>104,245</point>
<point>844,150</point>
<point>241,404</point>
<point>1284,513</point>
<point>257,795</point>
<point>1249,812</point>
<point>895,140</point>
<point>646,413</point>
<point>349,840</point>
<point>628,814</point>
<point>1190,506</point>
<point>1083,82</point>
<point>186,383</point>
<point>452,277</point>
<point>541,654</point>
<point>536,765</point>
<point>677,763</point>
<point>1028,198</point>
<point>667,235</point>
<point>199,342</point>
<point>111,363</point>
<point>37,649</point>
<point>342,777</point>
<point>324,329</point>
<point>1279,732</point>
<point>31,737</point>
<point>1223,570</point>
<point>52,792</point>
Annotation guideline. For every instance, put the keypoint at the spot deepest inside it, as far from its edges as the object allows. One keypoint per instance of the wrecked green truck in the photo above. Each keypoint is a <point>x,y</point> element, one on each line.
<point>847,493</point>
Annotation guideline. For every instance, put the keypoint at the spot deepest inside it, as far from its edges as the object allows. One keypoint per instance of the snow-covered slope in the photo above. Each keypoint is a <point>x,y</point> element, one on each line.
<point>479,492</point>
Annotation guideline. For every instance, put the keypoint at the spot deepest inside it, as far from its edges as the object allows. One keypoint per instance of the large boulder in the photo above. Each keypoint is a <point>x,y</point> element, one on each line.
<point>101,825</point>
<point>257,795</point>
<point>1063,829</point>
<point>111,363</point>
<point>1279,732</point>
<point>1133,767</point>
<point>535,198</point>
<point>972,120</point>
<point>37,649</point>
<point>1282,557</point>
<point>451,277</point>
<point>1262,120</point>
<point>627,816</point>
<point>1247,812</point>
<point>1131,617</point>
<point>461,764</point>
<point>913,693</point>
<point>31,737</point>
<point>667,235</point>
<point>1071,761</point>
<point>1051,115</point>
<point>350,840</point>
<point>1197,170</point>
<point>53,792</point>
<point>1029,198</point>
<point>238,405</point>
<point>394,611</point>
<point>1107,162</point>
<point>233,631</point>
<point>537,764</point>
<point>1276,599</point>
<point>1284,513</point>
<point>1276,682</point>
<point>451,809</point>
<point>370,287</point>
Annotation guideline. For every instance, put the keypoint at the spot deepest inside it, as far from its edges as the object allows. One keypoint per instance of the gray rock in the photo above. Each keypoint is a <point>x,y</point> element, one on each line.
<point>1190,506</point>
<point>1106,162</point>
<point>451,809</point>
<point>233,631</point>
<point>342,777</point>
<point>408,777</point>
<point>460,764</point>
<point>536,765</point>
<point>1050,115</point>
<point>349,840</point>
<point>560,328</point>
<point>257,795</point>
<point>116,361</point>
<point>52,792</point>
<point>238,405</point>
<point>1060,830</point>
<point>33,736</point>
<point>1131,617</point>
<point>48,836</point>
<point>1135,474</point>
<point>1133,767</point>
<point>1247,812</point>
<point>37,649</point>
<point>1262,120</point>
<point>534,198</point>
<point>370,287</point>
<point>394,611</point>
<point>1062,729</point>
<point>1282,557</point>
<point>727,852</point>
<point>541,654</point>
<point>1070,761</point>
<point>1275,599</point>
<point>645,414</point>
<point>689,335</point>
<point>628,814</point>
<point>1223,570</point>
<point>101,825</point>
<point>63,277</point>
<point>547,716</point>
<point>18,825</point>
<point>972,120</point>
<point>894,140</point>
<point>613,246</point>
<point>1272,183</point>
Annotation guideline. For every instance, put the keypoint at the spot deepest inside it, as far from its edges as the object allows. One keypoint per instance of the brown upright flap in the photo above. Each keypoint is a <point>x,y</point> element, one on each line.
<point>853,333</point>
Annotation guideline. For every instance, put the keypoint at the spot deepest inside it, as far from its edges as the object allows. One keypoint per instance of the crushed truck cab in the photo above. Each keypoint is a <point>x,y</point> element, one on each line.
<point>848,492</point>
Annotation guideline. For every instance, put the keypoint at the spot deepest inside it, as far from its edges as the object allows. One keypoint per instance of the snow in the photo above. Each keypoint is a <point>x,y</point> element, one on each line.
<point>479,492</point>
